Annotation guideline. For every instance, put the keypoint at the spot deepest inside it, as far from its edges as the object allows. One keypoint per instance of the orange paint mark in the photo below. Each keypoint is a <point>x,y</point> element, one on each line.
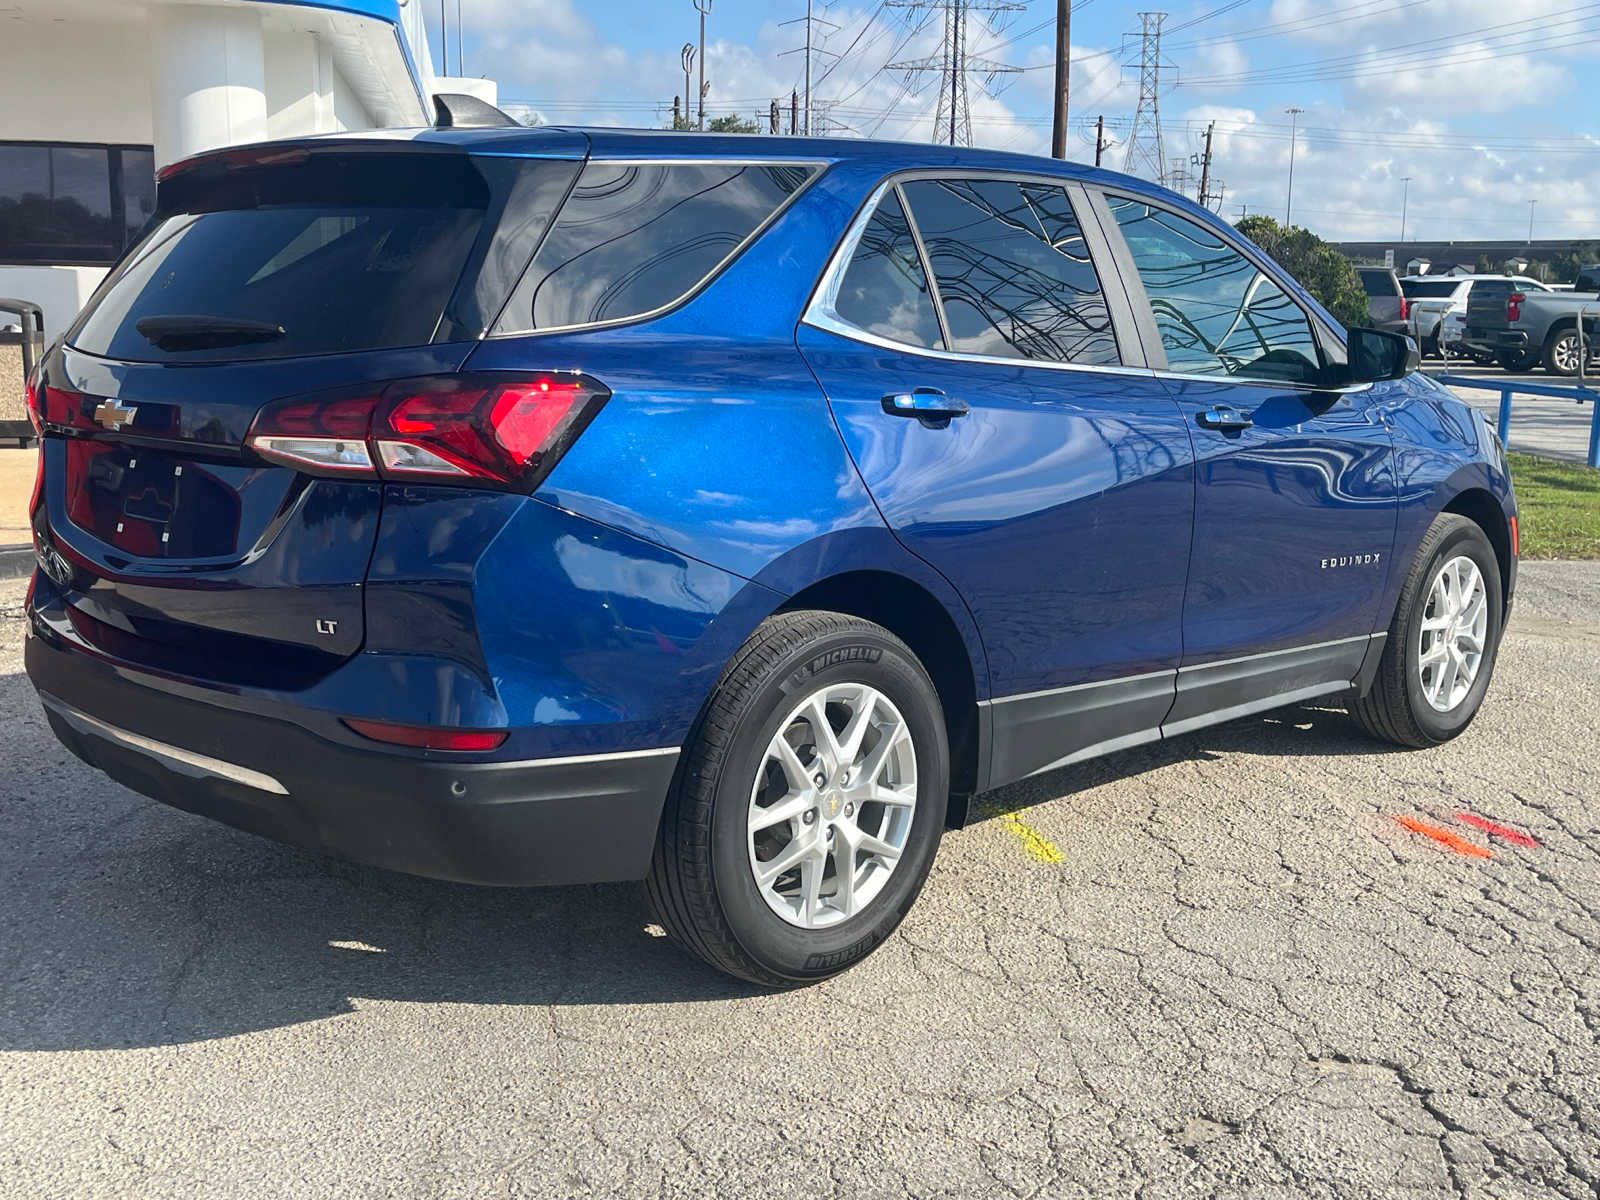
<point>1444,837</point>
<point>1496,829</point>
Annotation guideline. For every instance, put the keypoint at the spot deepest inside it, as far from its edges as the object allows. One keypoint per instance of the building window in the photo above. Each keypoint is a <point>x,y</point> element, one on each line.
<point>72,204</point>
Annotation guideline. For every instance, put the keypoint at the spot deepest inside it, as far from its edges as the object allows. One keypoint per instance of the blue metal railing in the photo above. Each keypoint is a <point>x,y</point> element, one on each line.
<point>1576,393</point>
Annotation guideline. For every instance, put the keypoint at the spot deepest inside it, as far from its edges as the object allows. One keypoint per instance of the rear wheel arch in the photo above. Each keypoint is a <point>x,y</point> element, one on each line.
<point>1481,507</point>
<point>917,618</point>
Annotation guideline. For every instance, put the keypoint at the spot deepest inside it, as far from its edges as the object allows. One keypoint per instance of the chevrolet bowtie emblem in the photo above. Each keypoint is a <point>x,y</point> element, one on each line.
<point>113,416</point>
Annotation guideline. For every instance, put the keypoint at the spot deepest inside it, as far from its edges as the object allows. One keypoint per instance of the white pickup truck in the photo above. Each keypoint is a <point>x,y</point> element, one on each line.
<point>1437,307</point>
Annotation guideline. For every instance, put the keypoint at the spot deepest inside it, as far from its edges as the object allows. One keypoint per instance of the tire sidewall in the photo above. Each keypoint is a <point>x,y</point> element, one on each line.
<point>1470,541</point>
<point>846,656</point>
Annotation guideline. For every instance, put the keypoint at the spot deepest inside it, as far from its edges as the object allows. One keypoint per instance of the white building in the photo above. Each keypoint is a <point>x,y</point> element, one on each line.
<point>97,95</point>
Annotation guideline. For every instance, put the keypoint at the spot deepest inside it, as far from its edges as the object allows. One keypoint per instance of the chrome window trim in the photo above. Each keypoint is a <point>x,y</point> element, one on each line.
<point>821,314</point>
<point>701,284</point>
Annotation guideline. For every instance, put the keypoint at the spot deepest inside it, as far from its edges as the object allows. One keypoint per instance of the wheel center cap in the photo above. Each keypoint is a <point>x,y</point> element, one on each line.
<point>832,804</point>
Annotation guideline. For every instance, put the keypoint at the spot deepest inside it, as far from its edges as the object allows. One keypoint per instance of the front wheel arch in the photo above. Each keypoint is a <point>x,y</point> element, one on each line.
<point>1480,507</point>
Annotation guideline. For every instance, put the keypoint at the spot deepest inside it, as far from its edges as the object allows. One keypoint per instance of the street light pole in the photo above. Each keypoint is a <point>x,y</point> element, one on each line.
<point>1405,192</point>
<point>688,68</point>
<point>1531,203</point>
<point>702,7</point>
<point>1294,118</point>
<point>808,68</point>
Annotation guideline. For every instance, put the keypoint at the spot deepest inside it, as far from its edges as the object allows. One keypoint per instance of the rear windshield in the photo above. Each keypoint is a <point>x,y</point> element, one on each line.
<point>329,254</point>
<point>1429,289</point>
<point>1378,283</point>
<point>636,237</point>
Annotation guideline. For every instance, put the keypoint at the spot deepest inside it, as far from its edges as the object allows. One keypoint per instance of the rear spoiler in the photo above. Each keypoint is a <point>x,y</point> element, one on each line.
<point>452,110</point>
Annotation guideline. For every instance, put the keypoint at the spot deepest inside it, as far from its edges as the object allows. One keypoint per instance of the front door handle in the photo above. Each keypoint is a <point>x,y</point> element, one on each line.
<point>1225,416</point>
<point>925,403</point>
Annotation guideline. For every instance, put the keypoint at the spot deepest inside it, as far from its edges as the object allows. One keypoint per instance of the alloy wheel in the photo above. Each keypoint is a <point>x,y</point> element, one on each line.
<point>832,805</point>
<point>1455,627</point>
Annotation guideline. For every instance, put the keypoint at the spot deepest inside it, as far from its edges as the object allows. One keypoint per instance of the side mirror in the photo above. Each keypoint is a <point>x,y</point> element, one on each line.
<point>1376,355</point>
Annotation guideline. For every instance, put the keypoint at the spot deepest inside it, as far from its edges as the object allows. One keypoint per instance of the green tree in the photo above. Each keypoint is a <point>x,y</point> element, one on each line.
<point>1321,270</point>
<point>1484,266</point>
<point>732,124</point>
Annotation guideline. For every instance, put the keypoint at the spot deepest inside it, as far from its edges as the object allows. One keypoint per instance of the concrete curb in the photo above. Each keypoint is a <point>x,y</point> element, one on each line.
<point>16,562</point>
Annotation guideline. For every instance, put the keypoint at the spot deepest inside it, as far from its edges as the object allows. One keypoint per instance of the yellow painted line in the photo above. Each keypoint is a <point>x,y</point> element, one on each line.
<point>1035,843</point>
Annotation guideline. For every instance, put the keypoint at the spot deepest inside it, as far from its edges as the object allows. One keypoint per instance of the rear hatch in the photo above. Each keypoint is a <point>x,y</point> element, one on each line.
<point>321,269</point>
<point>1486,306</point>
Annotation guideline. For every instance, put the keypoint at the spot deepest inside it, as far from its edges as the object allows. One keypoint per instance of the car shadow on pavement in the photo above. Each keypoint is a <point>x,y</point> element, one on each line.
<point>127,924</point>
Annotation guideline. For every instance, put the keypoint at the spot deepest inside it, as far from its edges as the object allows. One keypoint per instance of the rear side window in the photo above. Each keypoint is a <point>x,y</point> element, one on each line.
<point>1428,289</point>
<point>1379,283</point>
<point>885,290</point>
<point>341,252</point>
<point>636,237</point>
<point>1217,314</point>
<point>1012,271</point>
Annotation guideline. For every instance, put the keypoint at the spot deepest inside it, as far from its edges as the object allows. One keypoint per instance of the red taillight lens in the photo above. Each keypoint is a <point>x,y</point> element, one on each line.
<point>482,430</point>
<point>1514,305</point>
<point>428,737</point>
<point>1405,309</point>
<point>30,392</point>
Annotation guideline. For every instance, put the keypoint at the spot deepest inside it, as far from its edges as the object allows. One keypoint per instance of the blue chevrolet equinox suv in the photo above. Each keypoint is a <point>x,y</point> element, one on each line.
<point>553,506</point>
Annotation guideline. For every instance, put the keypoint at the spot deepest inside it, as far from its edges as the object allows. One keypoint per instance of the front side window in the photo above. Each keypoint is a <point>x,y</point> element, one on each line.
<point>1216,313</point>
<point>636,237</point>
<point>1012,271</point>
<point>885,290</point>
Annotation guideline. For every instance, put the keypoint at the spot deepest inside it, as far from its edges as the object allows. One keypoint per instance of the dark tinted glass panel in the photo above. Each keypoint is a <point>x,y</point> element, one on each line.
<point>55,205</point>
<point>1012,271</point>
<point>885,289</point>
<point>1428,289</point>
<point>1217,314</point>
<point>634,238</point>
<point>1378,283</point>
<point>355,252</point>
<point>138,191</point>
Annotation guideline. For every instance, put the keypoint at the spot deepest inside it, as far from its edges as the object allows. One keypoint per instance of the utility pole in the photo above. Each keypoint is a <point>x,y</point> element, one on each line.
<point>702,7</point>
<point>688,68</point>
<point>1058,135</point>
<point>1099,137</point>
<point>1205,170</point>
<point>444,40</point>
<point>774,119</point>
<point>1405,195</point>
<point>677,116</point>
<point>794,111</point>
<point>461,71</point>
<point>810,50</point>
<point>1531,203</point>
<point>1144,140</point>
<point>1294,117</point>
<point>952,121</point>
<point>808,68</point>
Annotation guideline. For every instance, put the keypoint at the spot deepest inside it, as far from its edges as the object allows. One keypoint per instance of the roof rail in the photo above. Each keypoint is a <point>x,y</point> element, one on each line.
<point>453,110</point>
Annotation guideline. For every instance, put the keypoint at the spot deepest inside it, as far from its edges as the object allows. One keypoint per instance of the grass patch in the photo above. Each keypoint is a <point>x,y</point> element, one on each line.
<point>1559,507</point>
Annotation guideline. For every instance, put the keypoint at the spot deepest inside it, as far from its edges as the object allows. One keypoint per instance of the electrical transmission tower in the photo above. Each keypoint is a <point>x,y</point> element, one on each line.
<point>1145,154</point>
<point>952,120</point>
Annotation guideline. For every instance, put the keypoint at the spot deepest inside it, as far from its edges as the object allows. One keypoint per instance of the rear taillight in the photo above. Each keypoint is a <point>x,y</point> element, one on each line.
<point>428,737</point>
<point>30,390</point>
<point>1514,305</point>
<point>482,430</point>
<point>1405,309</point>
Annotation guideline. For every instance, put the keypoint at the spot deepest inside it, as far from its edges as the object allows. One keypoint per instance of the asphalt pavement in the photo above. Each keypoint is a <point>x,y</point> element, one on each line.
<point>1544,425</point>
<point>1217,966</point>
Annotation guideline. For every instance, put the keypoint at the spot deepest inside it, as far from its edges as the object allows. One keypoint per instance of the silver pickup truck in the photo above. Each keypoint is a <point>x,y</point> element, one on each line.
<point>1523,328</point>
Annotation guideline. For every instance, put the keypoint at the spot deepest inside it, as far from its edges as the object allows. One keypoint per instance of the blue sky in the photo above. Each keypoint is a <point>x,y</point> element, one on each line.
<point>1478,101</point>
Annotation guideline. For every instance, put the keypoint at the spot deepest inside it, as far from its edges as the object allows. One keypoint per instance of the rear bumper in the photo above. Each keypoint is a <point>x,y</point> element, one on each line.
<point>1514,340</point>
<point>585,819</point>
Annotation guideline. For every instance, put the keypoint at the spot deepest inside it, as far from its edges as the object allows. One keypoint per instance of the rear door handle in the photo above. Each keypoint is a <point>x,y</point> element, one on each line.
<point>926,403</point>
<point>1224,416</point>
